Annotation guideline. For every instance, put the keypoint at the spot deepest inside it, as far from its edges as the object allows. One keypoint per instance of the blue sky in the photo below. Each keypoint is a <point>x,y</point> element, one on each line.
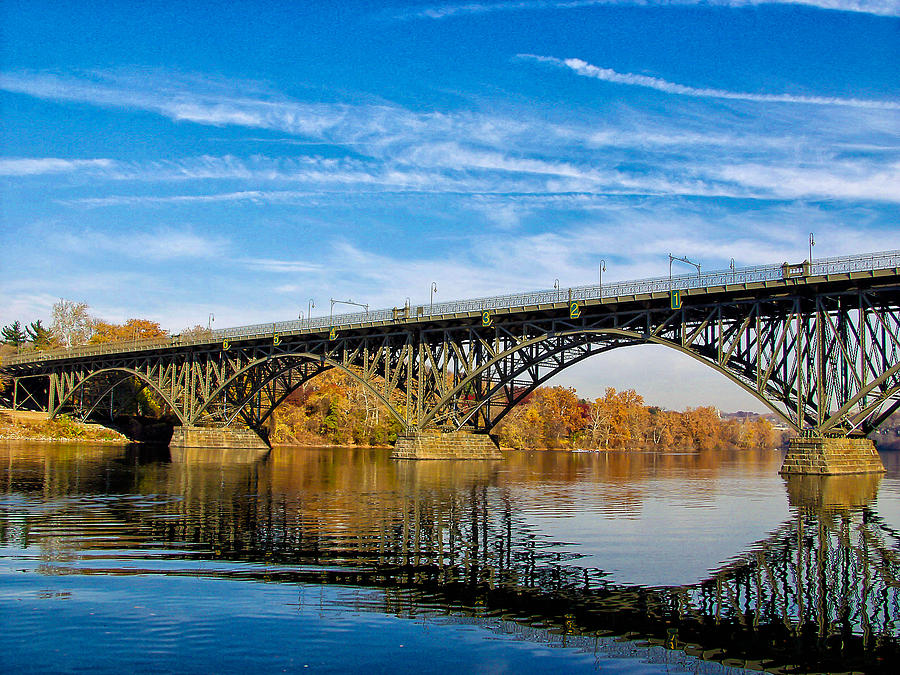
<point>167,160</point>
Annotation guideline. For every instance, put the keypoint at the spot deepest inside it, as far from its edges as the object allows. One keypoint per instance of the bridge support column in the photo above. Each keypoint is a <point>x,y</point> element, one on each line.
<point>446,445</point>
<point>208,437</point>
<point>830,456</point>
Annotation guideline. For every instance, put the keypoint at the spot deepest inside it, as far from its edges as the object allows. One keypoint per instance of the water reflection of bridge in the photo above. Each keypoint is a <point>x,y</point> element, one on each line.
<point>820,593</point>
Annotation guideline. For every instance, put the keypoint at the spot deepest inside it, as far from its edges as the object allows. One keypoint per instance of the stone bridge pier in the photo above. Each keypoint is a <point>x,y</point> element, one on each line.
<point>831,455</point>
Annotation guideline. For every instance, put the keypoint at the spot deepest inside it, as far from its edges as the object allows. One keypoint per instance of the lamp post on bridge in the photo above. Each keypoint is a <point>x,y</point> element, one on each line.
<point>601,268</point>
<point>309,308</point>
<point>672,258</point>
<point>431,303</point>
<point>346,302</point>
<point>556,288</point>
<point>812,242</point>
<point>731,265</point>
<point>209,321</point>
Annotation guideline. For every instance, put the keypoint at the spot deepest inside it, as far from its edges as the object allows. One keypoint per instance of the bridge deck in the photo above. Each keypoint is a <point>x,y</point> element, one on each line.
<point>756,280</point>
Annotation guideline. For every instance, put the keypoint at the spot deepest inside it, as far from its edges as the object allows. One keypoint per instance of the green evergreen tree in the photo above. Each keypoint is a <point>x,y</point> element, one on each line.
<point>40,337</point>
<point>13,334</point>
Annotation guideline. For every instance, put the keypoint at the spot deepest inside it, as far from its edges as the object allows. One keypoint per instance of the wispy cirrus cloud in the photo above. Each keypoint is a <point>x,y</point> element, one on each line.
<point>608,75</point>
<point>466,154</point>
<point>159,245</point>
<point>216,103</point>
<point>280,266</point>
<point>515,178</point>
<point>841,181</point>
<point>26,166</point>
<point>877,7</point>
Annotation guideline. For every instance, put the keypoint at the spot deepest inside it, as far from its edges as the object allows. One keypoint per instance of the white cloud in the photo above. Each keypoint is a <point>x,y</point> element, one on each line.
<point>25,166</point>
<point>159,245</point>
<point>608,75</point>
<point>877,7</point>
<point>280,266</point>
<point>839,181</point>
<point>468,154</point>
<point>25,305</point>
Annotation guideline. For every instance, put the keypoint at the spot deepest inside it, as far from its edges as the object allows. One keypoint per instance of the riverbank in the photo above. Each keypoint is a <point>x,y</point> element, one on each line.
<point>26,425</point>
<point>325,444</point>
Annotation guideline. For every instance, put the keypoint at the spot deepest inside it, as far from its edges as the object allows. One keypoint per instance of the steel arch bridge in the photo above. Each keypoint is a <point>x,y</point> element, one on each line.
<point>819,344</point>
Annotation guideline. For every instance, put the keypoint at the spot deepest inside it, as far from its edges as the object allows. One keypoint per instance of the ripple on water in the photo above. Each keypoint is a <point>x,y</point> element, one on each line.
<point>342,560</point>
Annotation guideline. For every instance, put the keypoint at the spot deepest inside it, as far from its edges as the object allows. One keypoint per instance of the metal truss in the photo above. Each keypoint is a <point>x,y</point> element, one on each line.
<point>824,358</point>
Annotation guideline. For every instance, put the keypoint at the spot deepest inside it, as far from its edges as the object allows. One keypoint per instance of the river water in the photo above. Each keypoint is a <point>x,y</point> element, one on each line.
<point>335,560</point>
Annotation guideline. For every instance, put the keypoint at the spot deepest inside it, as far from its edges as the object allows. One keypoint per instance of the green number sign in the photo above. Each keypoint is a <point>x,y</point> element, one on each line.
<point>574,310</point>
<point>486,319</point>
<point>675,299</point>
<point>333,334</point>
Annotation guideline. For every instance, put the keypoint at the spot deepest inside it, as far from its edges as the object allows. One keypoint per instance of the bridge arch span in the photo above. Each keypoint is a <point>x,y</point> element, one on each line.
<point>146,381</point>
<point>559,354</point>
<point>253,378</point>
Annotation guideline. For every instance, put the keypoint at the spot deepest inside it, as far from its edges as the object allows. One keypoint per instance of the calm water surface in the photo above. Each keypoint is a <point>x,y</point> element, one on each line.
<point>335,560</point>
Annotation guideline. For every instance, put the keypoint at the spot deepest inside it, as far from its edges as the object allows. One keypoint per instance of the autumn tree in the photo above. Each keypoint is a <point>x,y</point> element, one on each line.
<point>548,418</point>
<point>617,419</point>
<point>521,428</point>
<point>71,323</point>
<point>701,427</point>
<point>133,329</point>
<point>660,426</point>
<point>196,332</point>
<point>763,433</point>
<point>334,408</point>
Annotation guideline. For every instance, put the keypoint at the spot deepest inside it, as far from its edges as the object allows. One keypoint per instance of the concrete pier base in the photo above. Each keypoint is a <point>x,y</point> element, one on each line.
<point>831,456</point>
<point>208,437</point>
<point>446,445</point>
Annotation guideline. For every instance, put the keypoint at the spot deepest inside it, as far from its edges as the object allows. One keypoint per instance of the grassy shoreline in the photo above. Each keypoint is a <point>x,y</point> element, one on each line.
<point>21,425</point>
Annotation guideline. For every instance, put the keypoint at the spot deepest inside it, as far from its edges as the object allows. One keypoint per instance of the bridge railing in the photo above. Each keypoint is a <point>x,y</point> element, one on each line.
<point>743,275</point>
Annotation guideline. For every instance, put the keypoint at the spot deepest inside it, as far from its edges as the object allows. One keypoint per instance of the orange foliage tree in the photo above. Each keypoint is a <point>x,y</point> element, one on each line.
<point>617,419</point>
<point>555,418</point>
<point>133,329</point>
<point>549,417</point>
<point>334,409</point>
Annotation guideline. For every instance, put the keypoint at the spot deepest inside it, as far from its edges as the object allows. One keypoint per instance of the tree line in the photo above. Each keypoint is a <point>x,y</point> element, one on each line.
<point>73,325</point>
<point>334,409</point>
<point>555,417</point>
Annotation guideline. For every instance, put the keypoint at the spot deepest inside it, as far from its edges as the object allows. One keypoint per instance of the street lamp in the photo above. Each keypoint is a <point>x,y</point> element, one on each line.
<point>684,260</point>
<point>601,268</point>
<point>346,302</point>
<point>309,308</point>
<point>812,242</point>
<point>209,321</point>
<point>731,265</point>
<point>433,291</point>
